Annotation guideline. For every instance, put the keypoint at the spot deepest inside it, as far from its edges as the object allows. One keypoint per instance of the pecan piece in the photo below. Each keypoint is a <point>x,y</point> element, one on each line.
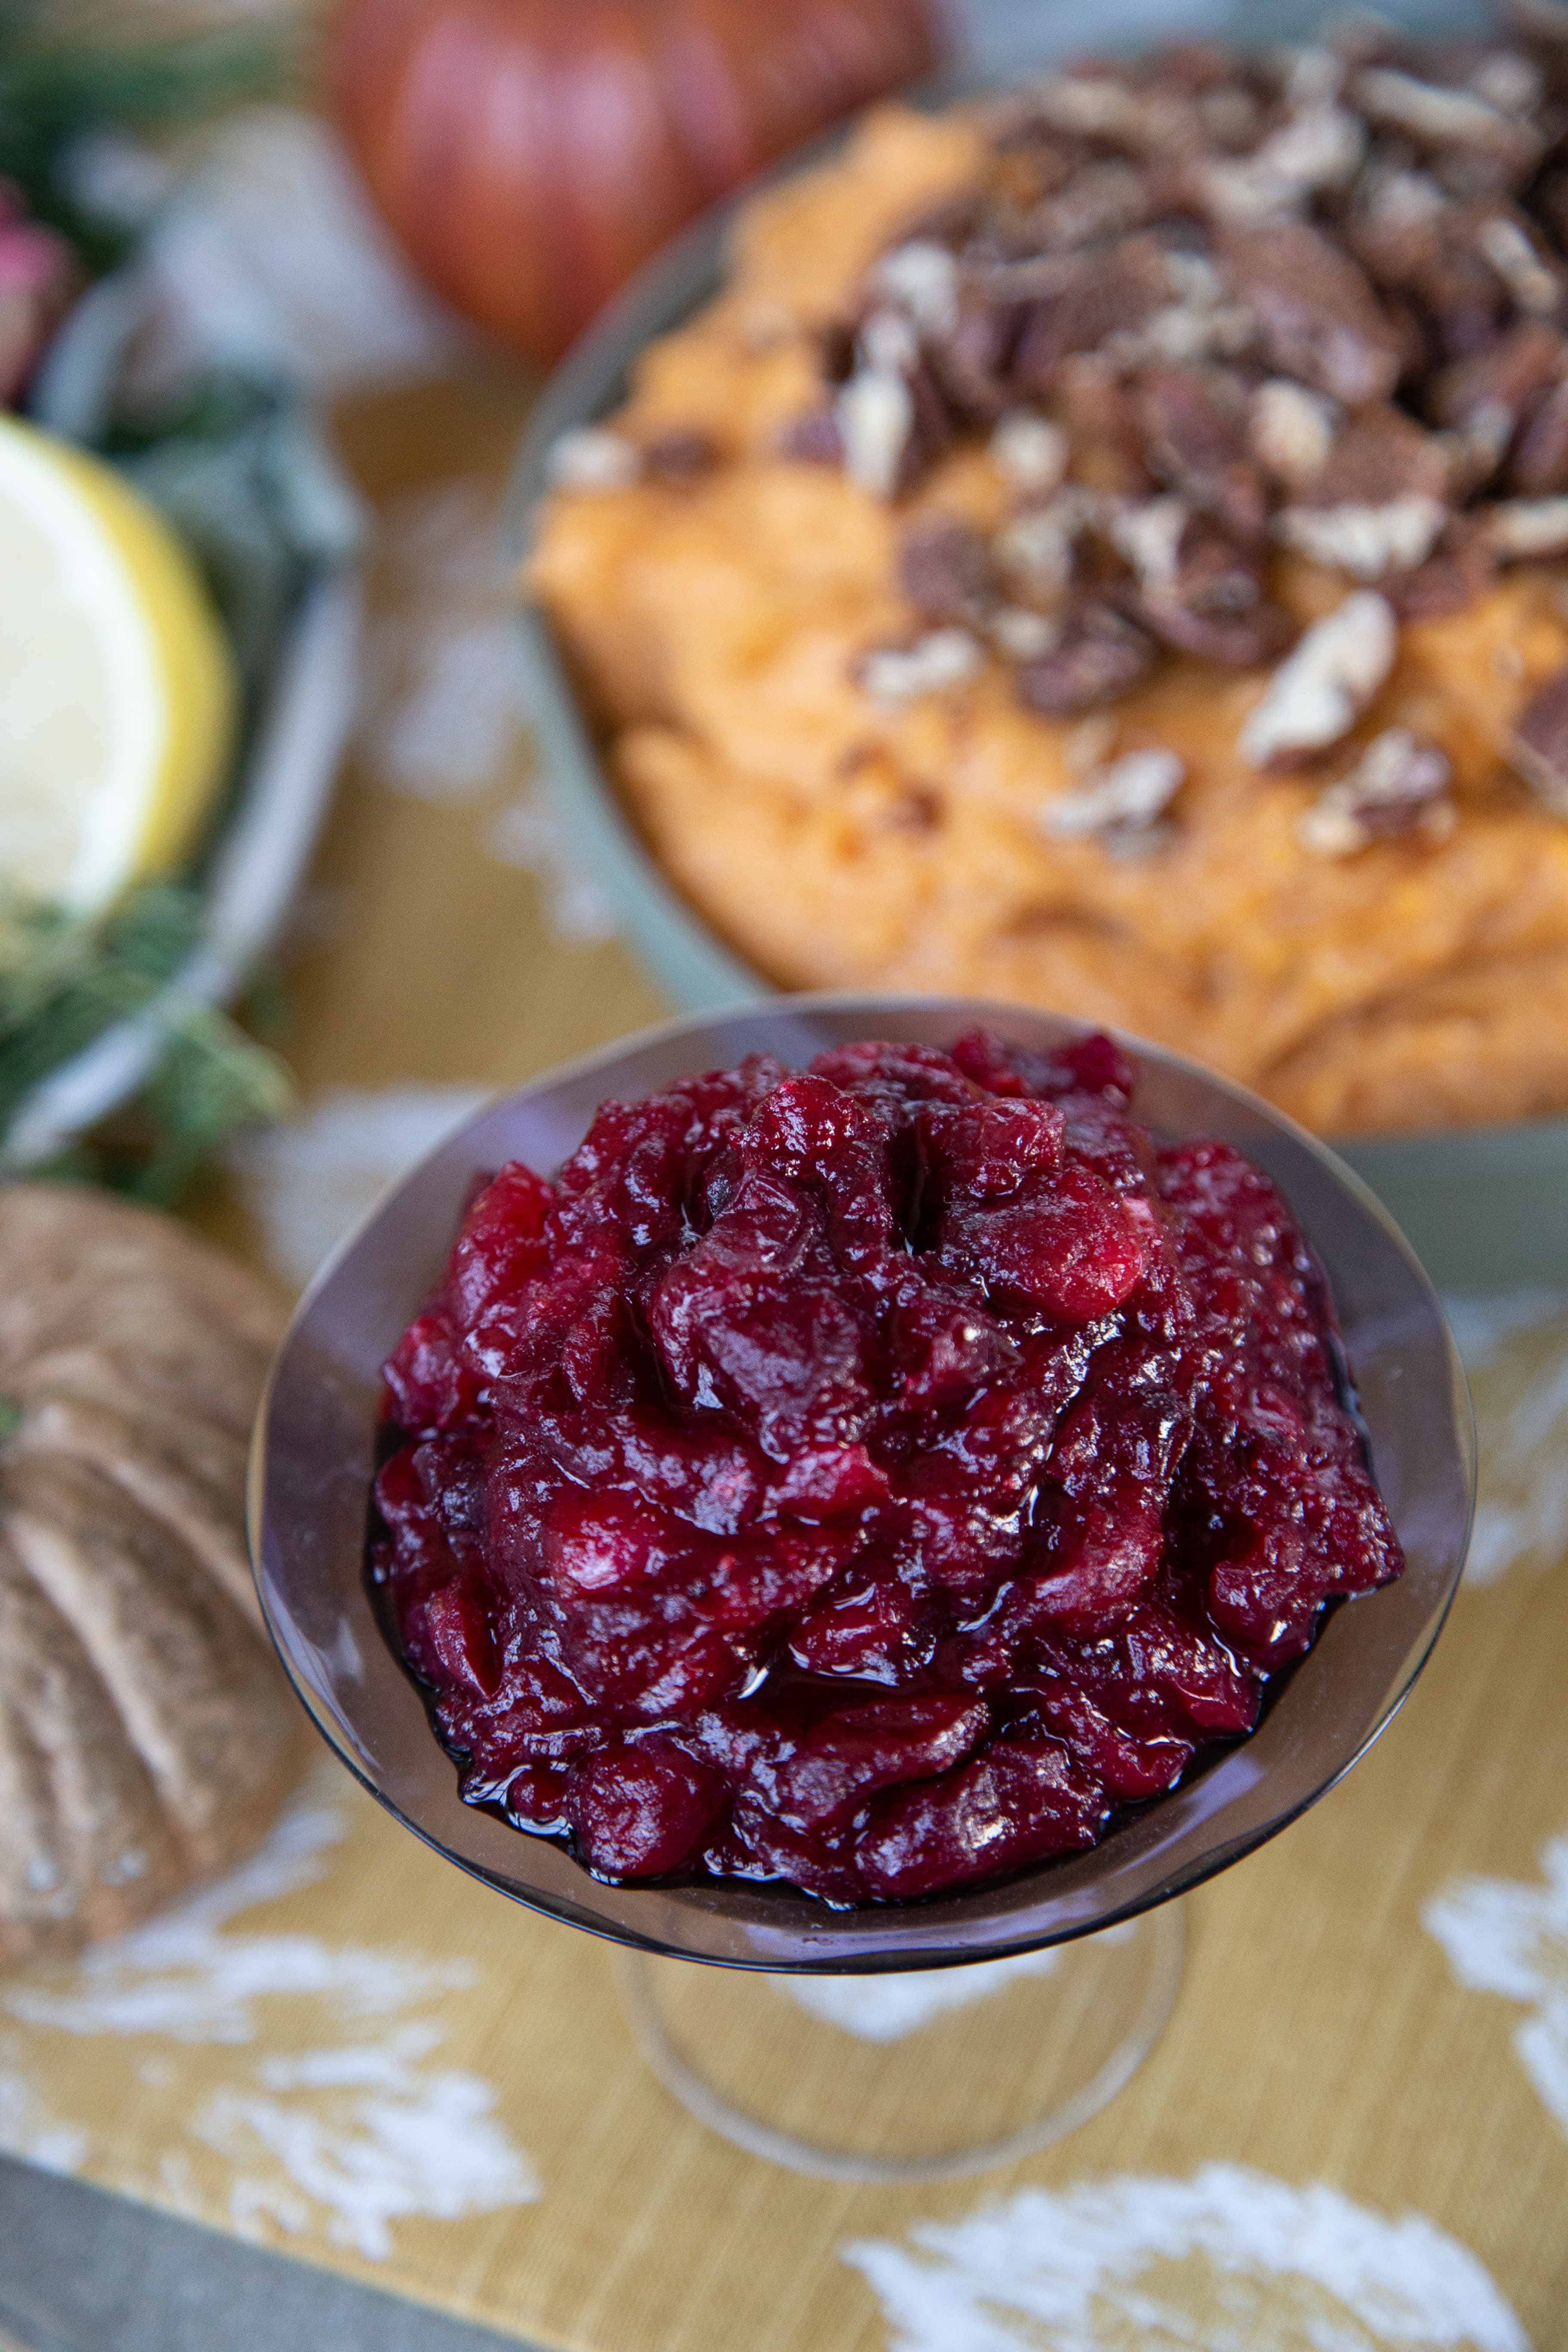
<point>1539,748</point>
<point>679,456</point>
<point>1099,657</point>
<point>919,277</point>
<point>1533,277</point>
<point>1106,294</point>
<point>1292,430</point>
<point>1399,787</point>
<point>898,674</point>
<point>1318,148</point>
<point>1504,381</point>
<point>974,363</point>
<point>1381,455</point>
<point>1101,419</point>
<point>1439,118</point>
<point>1020,634</point>
<point>1365,541</point>
<point>1099,201</point>
<point>1319,318</point>
<point>1039,548</point>
<point>1380,502</point>
<point>874,416</point>
<point>1119,806</point>
<point>1102,107</point>
<point>1460,568</point>
<point>947,571</point>
<point>1420,246</point>
<point>1204,596</point>
<point>1195,422</point>
<point>1520,530</point>
<point>1030,451</point>
<point>1538,463</point>
<point>1320,690</point>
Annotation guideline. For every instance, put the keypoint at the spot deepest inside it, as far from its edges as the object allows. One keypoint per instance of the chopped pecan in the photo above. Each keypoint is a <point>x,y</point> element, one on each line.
<point>1210,602</point>
<point>898,674</point>
<point>1030,451</point>
<point>1021,635</point>
<point>1534,280</point>
<point>875,415</point>
<point>892,421</point>
<point>1539,748</point>
<point>1510,81</point>
<point>1460,568</point>
<point>1519,529</point>
<point>1121,805</point>
<point>1398,788</point>
<point>1147,533</point>
<point>919,277</point>
<point>973,362</point>
<point>1107,294</point>
<point>1039,548</point>
<point>1381,455</point>
<point>1101,201</point>
<point>1310,73</point>
<point>1437,118</point>
<point>679,456</point>
<point>1198,318</point>
<point>1365,541</point>
<point>1292,430</point>
<point>1420,247</point>
<point>1099,657</point>
<point>1099,416</point>
<point>1319,148</point>
<point>947,571</point>
<point>1320,690</point>
<point>1196,427</point>
<point>1537,462</point>
<point>1102,107</point>
<point>1505,381</point>
<point>1318,316</point>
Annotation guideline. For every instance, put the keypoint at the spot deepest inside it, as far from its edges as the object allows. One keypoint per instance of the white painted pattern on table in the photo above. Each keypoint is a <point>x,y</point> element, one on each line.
<point>885,2009</point>
<point>27,2127</point>
<point>310,1180</point>
<point>1231,2260</point>
<point>1504,1936</point>
<point>335,2118</point>
<point>1521,1506</point>
<point>443,717</point>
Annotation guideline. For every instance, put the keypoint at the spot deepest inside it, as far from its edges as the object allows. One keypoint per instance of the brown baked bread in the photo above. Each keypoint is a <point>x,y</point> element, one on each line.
<point>146,1731</point>
<point>949,589</point>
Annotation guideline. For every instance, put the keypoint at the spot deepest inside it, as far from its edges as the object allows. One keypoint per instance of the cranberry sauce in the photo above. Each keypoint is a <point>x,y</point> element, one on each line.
<point>869,1478</point>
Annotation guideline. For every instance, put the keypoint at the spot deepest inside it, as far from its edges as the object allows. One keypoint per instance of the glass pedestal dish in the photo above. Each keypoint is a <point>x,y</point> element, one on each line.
<point>853,2066</point>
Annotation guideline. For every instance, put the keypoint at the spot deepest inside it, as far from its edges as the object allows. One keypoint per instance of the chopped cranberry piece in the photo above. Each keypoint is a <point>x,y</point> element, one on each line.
<point>639,1812</point>
<point>869,1477</point>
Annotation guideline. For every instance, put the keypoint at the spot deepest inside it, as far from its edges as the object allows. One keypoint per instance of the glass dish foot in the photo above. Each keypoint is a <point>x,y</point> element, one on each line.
<point>914,2074</point>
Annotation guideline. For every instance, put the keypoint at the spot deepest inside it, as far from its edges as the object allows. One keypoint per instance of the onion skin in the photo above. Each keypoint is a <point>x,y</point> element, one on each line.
<point>528,154</point>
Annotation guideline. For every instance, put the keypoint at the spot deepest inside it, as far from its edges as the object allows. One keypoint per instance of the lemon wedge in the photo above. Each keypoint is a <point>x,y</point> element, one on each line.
<point>117,690</point>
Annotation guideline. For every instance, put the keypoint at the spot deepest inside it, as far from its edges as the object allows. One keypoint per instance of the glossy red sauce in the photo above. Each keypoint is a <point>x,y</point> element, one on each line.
<point>870,1477</point>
